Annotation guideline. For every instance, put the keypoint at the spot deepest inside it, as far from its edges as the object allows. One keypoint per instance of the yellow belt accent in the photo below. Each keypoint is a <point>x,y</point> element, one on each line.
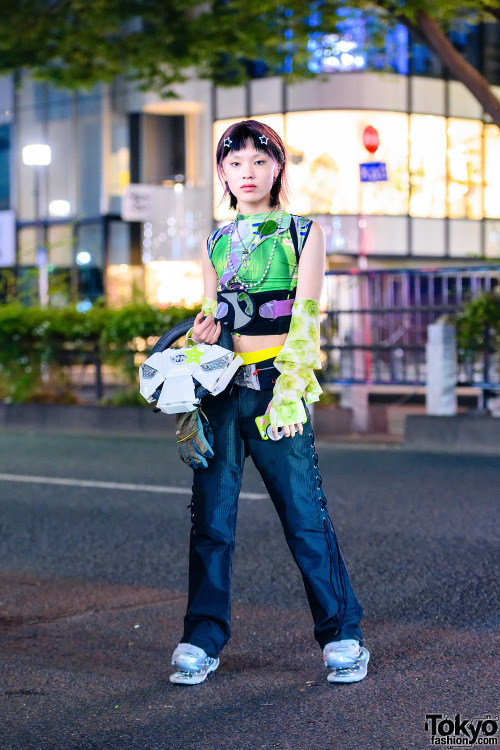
<point>250,358</point>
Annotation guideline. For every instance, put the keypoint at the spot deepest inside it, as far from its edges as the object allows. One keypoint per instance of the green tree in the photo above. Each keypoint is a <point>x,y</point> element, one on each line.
<point>77,43</point>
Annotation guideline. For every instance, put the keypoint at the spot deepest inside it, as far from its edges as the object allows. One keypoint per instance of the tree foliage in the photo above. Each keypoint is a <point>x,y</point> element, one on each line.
<point>78,43</point>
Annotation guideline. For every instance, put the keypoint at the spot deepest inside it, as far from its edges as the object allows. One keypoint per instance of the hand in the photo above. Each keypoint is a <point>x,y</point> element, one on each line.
<point>289,430</point>
<point>206,331</point>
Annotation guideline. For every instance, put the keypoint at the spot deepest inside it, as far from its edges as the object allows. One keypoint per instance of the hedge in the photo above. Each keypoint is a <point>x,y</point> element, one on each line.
<point>39,345</point>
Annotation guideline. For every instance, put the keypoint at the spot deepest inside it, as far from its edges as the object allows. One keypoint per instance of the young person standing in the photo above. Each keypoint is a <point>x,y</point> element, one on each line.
<point>263,276</point>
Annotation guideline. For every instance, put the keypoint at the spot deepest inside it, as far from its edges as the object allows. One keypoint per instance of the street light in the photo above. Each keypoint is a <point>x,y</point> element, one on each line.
<point>39,155</point>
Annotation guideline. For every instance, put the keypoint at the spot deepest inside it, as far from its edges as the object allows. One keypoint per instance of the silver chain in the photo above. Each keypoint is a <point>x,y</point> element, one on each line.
<point>244,284</point>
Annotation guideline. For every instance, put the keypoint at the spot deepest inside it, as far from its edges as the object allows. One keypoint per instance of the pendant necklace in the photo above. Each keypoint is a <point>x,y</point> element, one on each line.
<point>265,225</point>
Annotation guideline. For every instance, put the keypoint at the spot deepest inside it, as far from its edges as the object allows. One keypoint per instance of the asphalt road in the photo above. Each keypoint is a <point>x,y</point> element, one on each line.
<point>93,576</point>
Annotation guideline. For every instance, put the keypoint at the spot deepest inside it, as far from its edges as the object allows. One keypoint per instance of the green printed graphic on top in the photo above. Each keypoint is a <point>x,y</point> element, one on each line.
<point>282,273</point>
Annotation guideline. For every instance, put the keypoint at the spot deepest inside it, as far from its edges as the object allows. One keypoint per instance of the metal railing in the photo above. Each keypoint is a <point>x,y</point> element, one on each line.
<point>374,330</point>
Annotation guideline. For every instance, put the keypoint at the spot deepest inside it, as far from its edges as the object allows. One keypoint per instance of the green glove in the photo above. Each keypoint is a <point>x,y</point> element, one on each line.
<point>195,438</point>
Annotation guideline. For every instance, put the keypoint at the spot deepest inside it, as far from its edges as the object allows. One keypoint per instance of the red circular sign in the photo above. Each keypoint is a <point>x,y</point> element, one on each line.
<point>371,139</point>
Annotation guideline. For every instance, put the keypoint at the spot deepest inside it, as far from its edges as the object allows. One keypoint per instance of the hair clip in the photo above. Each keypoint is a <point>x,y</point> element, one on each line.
<point>227,142</point>
<point>264,139</point>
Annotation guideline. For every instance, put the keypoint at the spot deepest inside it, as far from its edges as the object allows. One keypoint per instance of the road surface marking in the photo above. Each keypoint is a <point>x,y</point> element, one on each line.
<point>67,482</point>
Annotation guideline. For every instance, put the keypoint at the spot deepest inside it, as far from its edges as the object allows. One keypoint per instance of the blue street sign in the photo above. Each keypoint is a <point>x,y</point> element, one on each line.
<point>373,171</point>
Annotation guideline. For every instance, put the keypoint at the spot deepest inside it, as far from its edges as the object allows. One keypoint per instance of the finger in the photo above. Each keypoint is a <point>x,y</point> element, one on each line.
<point>203,333</point>
<point>300,428</point>
<point>275,432</point>
<point>286,430</point>
<point>292,430</point>
<point>205,325</point>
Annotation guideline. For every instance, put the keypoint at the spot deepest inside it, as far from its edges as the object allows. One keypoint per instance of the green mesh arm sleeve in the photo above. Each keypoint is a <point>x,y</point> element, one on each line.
<point>296,361</point>
<point>209,305</point>
<point>296,381</point>
<point>302,342</point>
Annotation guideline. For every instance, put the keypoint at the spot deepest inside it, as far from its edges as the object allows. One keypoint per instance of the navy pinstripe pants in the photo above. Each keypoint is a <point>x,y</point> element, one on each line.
<point>289,469</point>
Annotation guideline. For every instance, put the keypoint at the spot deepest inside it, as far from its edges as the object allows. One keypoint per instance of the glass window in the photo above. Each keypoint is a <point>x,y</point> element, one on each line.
<point>491,58</point>
<point>423,62</point>
<point>61,245</point>
<point>26,239</point>
<point>427,166</point>
<point>466,38</point>
<point>89,154</point>
<point>89,245</point>
<point>492,233</point>
<point>326,150</point>
<point>4,166</point>
<point>358,45</point>
<point>89,160</point>
<point>29,129</point>
<point>465,180</point>
<point>59,104</point>
<point>120,154</point>
<point>492,171</point>
<point>89,102</point>
<point>124,283</point>
<point>60,173</point>
<point>119,242</point>
<point>175,282</point>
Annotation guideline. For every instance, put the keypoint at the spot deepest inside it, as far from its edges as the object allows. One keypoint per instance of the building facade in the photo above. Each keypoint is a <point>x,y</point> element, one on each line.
<point>399,165</point>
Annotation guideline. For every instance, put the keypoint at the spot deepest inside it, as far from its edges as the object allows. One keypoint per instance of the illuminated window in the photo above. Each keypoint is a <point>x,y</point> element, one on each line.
<point>434,165</point>
<point>60,245</point>
<point>173,282</point>
<point>465,197</point>
<point>427,166</point>
<point>492,171</point>
<point>326,149</point>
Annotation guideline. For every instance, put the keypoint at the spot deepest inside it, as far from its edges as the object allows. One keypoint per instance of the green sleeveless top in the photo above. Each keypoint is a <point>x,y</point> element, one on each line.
<point>256,234</point>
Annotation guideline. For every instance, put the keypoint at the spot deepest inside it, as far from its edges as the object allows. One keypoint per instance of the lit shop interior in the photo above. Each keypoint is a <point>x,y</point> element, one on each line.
<point>440,201</point>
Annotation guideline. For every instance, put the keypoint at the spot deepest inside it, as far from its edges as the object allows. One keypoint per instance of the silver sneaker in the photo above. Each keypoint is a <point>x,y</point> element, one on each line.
<point>347,659</point>
<point>193,665</point>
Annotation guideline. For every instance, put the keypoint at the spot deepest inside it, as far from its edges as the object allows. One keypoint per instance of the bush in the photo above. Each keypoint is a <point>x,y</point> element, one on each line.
<point>39,345</point>
<point>478,326</point>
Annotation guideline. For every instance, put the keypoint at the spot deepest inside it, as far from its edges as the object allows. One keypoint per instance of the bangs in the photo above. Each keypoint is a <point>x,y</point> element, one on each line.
<point>242,133</point>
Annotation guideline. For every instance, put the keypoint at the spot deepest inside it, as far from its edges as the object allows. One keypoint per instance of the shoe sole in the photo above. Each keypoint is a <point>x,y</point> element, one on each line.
<point>193,678</point>
<point>354,673</point>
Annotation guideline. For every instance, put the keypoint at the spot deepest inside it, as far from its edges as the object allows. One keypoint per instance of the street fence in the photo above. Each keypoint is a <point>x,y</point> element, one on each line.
<point>375,325</point>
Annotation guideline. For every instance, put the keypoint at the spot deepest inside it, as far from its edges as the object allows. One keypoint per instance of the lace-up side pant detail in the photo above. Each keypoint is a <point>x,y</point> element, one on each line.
<point>290,471</point>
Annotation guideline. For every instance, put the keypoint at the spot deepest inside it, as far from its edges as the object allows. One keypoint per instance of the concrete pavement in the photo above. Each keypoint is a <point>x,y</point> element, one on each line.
<point>93,582</point>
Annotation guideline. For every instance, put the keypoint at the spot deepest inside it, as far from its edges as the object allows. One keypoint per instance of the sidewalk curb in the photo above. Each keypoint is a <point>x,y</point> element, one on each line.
<point>460,433</point>
<point>86,419</point>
